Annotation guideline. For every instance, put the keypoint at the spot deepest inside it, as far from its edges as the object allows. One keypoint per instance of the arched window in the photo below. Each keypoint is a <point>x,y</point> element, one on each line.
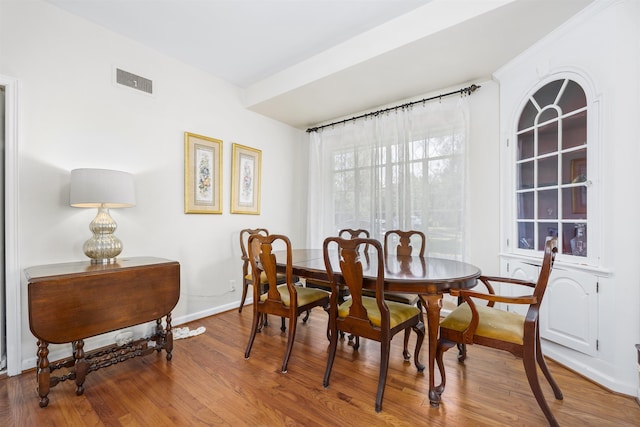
<point>551,169</point>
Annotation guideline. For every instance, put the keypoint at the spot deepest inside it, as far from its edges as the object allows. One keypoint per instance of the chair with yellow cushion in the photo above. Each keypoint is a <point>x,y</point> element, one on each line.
<point>247,278</point>
<point>472,323</point>
<point>285,300</point>
<point>374,318</point>
<point>403,248</point>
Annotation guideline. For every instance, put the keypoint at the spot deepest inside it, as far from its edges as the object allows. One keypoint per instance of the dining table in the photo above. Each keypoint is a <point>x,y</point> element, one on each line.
<point>428,277</point>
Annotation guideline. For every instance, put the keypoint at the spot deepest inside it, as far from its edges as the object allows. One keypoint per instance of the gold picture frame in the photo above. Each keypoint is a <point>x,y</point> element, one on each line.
<point>202,174</point>
<point>246,170</point>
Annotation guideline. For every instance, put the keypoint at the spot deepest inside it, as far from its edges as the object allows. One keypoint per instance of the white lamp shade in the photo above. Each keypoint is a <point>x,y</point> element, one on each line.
<point>92,188</point>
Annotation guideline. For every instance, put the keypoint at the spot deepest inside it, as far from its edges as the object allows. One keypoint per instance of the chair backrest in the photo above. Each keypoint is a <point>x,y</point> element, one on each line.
<point>262,259</point>
<point>351,268</point>
<point>244,241</point>
<point>351,233</point>
<point>550,251</point>
<point>404,241</point>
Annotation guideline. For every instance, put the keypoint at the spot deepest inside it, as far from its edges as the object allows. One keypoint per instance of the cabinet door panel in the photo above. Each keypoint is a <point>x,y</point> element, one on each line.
<point>521,271</point>
<point>569,311</point>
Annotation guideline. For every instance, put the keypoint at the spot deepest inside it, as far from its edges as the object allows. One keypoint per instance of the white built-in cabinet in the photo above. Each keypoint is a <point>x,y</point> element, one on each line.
<point>550,190</point>
<point>559,178</point>
<point>569,314</point>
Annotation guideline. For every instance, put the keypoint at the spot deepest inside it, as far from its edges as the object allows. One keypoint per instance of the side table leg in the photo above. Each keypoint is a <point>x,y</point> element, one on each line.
<point>81,366</point>
<point>43,373</point>
<point>433,304</point>
<point>168,344</point>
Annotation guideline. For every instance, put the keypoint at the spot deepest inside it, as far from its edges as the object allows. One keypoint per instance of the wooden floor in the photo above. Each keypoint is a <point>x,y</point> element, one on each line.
<point>209,382</point>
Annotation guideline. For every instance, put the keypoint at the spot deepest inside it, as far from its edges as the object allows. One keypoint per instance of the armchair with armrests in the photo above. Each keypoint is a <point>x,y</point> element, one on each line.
<point>375,318</point>
<point>472,323</point>
<point>285,300</point>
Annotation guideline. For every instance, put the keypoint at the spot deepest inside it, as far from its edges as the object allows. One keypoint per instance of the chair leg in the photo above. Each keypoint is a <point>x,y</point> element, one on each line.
<point>257,317</point>
<point>245,286</point>
<point>333,345</point>
<point>328,323</point>
<point>306,316</point>
<point>356,341</point>
<point>292,336</point>
<point>462,352</point>
<point>529,361</point>
<point>545,370</point>
<point>420,332</point>
<point>283,326</point>
<point>443,345</point>
<point>262,322</point>
<point>405,352</point>
<point>384,368</point>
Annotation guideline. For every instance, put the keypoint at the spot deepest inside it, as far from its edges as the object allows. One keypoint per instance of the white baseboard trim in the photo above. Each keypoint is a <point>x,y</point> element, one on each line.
<point>566,358</point>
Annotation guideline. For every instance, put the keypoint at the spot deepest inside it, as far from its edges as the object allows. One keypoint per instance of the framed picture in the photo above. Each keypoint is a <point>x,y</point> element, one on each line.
<point>246,167</point>
<point>202,174</point>
<point>579,194</point>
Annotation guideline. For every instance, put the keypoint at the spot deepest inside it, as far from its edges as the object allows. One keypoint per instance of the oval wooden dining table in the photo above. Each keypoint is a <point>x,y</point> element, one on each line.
<point>428,277</point>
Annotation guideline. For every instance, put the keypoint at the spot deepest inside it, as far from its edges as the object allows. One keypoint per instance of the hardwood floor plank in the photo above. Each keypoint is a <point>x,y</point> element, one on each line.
<point>209,382</point>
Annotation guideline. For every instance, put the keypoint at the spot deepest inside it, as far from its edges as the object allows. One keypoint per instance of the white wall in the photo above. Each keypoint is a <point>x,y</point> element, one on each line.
<point>72,115</point>
<point>484,178</point>
<point>601,44</point>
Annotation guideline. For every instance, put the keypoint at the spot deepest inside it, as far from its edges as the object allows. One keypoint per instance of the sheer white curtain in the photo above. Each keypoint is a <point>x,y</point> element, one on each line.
<point>405,169</point>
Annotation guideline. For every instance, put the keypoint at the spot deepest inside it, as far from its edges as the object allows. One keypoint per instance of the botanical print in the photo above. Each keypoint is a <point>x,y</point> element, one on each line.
<point>246,180</point>
<point>204,178</point>
<point>202,174</point>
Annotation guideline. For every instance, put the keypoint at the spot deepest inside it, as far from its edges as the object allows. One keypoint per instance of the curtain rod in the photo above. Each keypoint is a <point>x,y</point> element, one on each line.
<point>464,91</point>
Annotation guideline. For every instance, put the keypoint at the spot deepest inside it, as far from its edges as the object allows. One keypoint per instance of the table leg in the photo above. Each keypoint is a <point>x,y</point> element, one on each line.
<point>169,338</point>
<point>433,304</point>
<point>44,373</point>
<point>81,366</point>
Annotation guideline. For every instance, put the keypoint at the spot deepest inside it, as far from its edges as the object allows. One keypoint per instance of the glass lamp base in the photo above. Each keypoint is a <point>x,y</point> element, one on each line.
<point>103,246</point>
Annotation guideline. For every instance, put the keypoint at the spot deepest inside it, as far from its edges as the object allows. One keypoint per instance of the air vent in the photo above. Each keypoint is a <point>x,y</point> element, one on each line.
<point>133,81</point>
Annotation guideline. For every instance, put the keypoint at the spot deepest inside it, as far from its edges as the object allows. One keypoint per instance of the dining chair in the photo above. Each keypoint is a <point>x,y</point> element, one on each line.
<point>403,248</point>
<point>473,323</point>
<point>355,233</point>
<point>285,300</point>
<point>247,277</point>
<point>343,291</point>
<point>375,318</point>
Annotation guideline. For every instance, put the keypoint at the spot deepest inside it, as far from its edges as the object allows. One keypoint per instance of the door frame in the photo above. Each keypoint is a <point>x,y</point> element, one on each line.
<point>12,265</point>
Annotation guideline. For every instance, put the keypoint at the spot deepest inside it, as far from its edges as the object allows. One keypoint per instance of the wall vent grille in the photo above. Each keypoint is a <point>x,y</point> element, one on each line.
<point>133,81</point>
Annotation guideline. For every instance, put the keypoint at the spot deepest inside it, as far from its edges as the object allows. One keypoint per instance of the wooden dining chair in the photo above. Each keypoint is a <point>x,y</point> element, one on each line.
<point>473,323</point>
<point>353,234</point>
<point>285,300</point>
<point>343,291</point>
<point>247,277</point>
<point>373,318</point>
<point>403,248</point>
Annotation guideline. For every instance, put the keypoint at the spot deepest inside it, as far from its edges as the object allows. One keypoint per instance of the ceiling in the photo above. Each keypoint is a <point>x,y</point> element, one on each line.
<point>305,62</point>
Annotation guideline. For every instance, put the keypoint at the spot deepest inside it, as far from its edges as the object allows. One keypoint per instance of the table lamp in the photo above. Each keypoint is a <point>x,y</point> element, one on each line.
<point>102,189</point>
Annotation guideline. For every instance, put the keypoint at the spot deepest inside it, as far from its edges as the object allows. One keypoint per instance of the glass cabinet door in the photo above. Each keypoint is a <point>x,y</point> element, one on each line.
<point>551,169</point>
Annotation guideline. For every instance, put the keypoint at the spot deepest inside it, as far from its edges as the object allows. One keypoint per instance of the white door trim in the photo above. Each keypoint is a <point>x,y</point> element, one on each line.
<point>12,263</point>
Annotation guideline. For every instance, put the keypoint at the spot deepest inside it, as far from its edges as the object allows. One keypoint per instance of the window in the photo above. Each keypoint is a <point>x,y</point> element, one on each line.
<point>551,169</point>
<point>404,170</point>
